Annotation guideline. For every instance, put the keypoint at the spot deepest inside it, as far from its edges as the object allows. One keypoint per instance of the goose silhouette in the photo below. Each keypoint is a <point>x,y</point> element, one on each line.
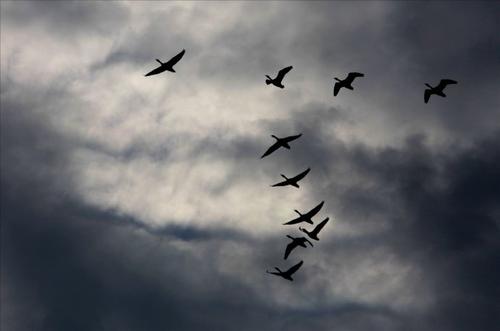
<point>279,78</point>
<point>437,90</point>
<point>296,242</point>
<point>294,180</point>
<point>314,233</point>
<point>286,274</point>
<point>169,65</point>
<point>280,142</point>
<point>346,82</point>
<point>307,217</point>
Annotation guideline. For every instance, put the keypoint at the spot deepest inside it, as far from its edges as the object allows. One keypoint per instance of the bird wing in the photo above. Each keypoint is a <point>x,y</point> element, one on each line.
<point>301,175</point>
<point>315,210</point>
<point>289,248</point>
<point>292,138</point>
<point>175,59</point>
<point>444,82</point>
<point>283,183</point>
<point>427,95</point>
<point>294,221</point>
<point>271,149</point>
<point>293,269</point>
<point>352,75</point>
<point>336,88</point>
<point>282,73</point>
<point>320,226</point>
<point>158,70</point>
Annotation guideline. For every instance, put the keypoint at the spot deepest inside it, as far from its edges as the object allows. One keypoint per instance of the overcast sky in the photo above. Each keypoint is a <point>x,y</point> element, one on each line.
<point>141,203</point>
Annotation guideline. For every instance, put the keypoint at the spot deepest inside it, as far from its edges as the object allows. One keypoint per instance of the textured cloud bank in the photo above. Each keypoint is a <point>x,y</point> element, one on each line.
<point>138,203</point>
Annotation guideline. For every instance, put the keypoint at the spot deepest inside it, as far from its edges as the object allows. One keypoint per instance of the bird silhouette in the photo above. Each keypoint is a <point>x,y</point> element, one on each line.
<point>437,90</point>
<point>169,65</point>
<point>346,82</point>
<point>286,274</point>
<point>280,142</point>
<point>296,242</point>
<point>314,233</point>
<point>292,181</point>
<point>307,217</point>
<point>277,81</point>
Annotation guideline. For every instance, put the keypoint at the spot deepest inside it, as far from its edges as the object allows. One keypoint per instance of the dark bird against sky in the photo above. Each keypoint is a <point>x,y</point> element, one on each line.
<point>437,90</point>
<point>346,82</point>
<point>307,217</point>
<point>296,242</point>
<point>279,78</point>
<point>169,65</point>
<point>314,233</point>
<point>286,274</point>
<point>292,181</point>
<point>280,142</point>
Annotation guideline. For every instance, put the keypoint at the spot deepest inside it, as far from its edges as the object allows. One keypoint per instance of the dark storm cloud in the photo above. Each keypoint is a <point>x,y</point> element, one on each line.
<point>442,208</point>
<point>68,19</point>
<point>68,266</point>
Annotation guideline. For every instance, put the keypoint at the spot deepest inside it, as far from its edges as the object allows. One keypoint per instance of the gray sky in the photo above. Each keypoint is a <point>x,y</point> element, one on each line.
<point>138,203</point>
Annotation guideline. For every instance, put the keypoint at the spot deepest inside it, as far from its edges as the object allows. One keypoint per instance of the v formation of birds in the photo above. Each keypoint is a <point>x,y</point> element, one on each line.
<point>284,142</point>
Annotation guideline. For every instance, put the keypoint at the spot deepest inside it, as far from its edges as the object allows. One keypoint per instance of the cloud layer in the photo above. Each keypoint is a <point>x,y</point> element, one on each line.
<point>141,203</point>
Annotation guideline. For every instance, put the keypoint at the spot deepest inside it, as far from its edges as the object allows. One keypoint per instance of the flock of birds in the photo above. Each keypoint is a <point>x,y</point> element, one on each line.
<point>285,143</point>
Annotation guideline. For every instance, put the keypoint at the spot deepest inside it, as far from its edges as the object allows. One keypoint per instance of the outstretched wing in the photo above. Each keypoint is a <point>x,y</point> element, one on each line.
<point>293,269</point>
<point>282,73</point>
<point>271,149</point>
<point>427,95</point>
<point>292,138</point>
<point>156,71</point>
<point>289,248</point>
<point>315,210</point>
<point>336,88</point>
<point>301,175</point>
<point>444,82</point>
<point>352,75</point>
<point>320,226</point>
<point>176,58</point>
<point>283,183</point>
<point>294,221</point>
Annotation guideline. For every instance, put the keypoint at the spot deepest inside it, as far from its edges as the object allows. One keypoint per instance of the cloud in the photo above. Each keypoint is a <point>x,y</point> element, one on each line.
<point>139,203</point>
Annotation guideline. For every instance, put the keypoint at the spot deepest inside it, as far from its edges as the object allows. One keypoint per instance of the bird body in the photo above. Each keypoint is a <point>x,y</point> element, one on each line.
<point>437,90</point>
<point>280,142</point>
<point>314,233</point>
<point>347,82</point>
<point>307,217</point>
<point>279,78</point>
<point>286,274</point>
<point>167,66</point>
<point>294,180</point>
<point>296,242</point>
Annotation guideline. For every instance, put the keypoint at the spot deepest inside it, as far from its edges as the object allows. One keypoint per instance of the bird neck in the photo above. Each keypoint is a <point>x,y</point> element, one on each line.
<point>284,176</point>
<point>298,212</point>
<point>338,80</point>
<point>275,137</point>
<point>428,85</point>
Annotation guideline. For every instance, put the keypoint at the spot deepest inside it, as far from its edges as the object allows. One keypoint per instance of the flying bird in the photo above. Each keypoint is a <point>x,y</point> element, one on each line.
<point>314,233</point>
<point>292,181</point>
<point>296,242</point>
<point>307,217</point>
<point>277,81</point>
<point>286,274</point>
<point>280,142</point>
<point>167,65</point>
<point>346,82</point>
<point>438,90</point>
